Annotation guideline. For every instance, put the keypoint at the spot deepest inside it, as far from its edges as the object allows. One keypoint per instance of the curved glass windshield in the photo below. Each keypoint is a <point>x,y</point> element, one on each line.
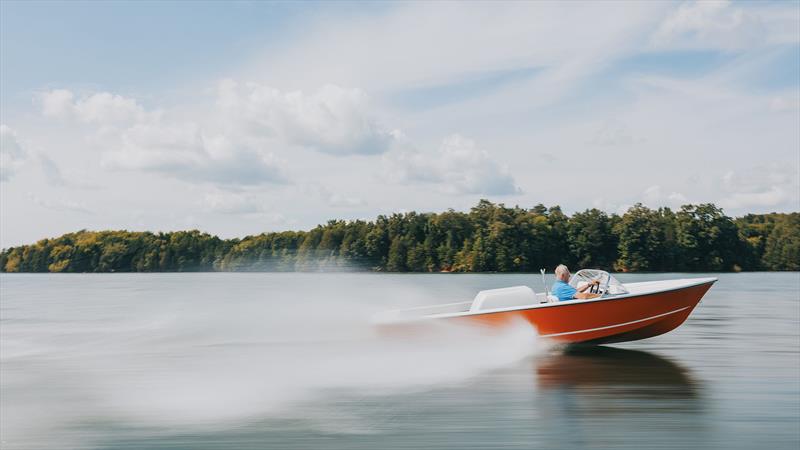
<point>608,284</point>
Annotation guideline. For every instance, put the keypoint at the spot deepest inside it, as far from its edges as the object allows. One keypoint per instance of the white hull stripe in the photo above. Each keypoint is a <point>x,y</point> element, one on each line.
<point>617,325</point>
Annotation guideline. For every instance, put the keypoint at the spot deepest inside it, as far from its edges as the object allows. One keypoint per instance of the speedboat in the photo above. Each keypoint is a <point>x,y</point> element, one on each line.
<point>618,313</point>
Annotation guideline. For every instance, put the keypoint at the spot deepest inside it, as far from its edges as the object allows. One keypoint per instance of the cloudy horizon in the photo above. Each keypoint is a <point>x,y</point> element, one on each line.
<point>240,118</point>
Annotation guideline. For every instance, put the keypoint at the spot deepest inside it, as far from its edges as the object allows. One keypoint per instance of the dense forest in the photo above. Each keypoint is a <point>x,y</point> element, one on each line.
<point>489,238</point>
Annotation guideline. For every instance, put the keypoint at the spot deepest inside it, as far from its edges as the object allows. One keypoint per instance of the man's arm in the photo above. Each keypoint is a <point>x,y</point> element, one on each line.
<point>588,285</point>
<point>583,295</point>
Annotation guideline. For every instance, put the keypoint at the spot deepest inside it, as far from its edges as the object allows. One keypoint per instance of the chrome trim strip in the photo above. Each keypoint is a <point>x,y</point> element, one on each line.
<point>615,326</point>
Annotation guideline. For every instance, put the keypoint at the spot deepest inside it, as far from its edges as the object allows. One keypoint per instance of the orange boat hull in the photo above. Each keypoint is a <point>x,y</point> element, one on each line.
<point>605,321</point>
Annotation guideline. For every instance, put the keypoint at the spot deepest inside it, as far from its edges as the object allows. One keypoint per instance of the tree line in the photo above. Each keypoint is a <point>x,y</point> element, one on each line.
<point>489,238</point>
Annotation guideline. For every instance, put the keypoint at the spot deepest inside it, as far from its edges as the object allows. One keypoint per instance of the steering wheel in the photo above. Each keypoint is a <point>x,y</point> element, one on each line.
<point>595,288</point>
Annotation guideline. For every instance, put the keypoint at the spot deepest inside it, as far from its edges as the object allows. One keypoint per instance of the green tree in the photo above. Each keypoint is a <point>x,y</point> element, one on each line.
<point>707,239</point>
<point>490,237</point>
<point>592,241</point>
<point>641,239</point>
<point>782,249</point>
<point>398,255</point>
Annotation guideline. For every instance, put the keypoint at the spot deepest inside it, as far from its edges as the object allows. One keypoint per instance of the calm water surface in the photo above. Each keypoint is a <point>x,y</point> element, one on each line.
<point>205,361</point>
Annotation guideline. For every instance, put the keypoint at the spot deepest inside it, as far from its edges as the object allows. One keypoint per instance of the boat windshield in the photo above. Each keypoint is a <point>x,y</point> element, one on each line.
<point>608,284</point>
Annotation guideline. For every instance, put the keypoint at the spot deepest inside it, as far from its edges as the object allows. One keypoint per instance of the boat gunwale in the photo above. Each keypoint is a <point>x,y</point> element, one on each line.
<point>700,282</point>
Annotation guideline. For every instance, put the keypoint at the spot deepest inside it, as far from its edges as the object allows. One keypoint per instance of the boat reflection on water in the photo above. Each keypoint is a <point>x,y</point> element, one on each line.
<point>587,395</point>
<point>617,373</point>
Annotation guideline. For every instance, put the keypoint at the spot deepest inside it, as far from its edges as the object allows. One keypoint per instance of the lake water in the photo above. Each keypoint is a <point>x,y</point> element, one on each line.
<point>290,361</point>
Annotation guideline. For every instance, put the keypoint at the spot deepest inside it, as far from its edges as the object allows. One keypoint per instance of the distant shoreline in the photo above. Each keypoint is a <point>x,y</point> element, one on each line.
<point>372,272</point>
<point>490,238</point>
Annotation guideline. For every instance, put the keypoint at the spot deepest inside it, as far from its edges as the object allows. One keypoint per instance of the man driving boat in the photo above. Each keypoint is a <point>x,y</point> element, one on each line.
<point>563,291</point>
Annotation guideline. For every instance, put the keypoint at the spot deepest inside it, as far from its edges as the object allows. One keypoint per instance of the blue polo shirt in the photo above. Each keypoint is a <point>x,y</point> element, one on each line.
<point>563,291</point>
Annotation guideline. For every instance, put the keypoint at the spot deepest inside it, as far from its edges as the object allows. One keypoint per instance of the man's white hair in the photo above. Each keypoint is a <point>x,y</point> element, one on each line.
<point>561,270</point>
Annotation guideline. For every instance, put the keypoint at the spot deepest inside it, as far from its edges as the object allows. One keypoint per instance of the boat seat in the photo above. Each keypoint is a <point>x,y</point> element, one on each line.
<point>503,298</point>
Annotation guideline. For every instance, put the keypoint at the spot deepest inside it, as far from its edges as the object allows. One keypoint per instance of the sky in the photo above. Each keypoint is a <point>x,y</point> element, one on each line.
<point>238,118</point>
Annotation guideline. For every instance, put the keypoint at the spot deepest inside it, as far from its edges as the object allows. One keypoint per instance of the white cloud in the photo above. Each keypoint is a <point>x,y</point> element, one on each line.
<point>786,103</point>
<point>548,157</point>
<point>333,199</point>
<point>655,197</point>
<point>227,145</point>
<point>232,203</point>
<point>332,120</point>
<point>458,167</point>
<point>535,79</point>
<point>759,178</point>
<point>185,152</point>
<point>370,50</point>
<point>711,24</point>
<point>761,187</point>
<point>12,153</point>
<point>54,177</point>
<point>51,171</point>
<point>148,143</point>
<point>57,103</point>
<point>106,107</point>
<point>248,204</point>
<point>773,196</point>
<point>98,108</point>
<point>614,134</point>
<point>343,201</point>
<point>61,205</point>
<point>610,207</point>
